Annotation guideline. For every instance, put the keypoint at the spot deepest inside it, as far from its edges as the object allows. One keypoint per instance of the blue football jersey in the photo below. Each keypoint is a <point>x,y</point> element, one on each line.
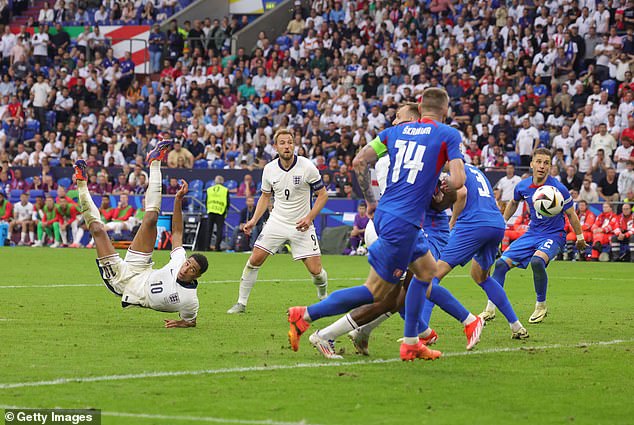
<point>418,151</point>
<point>435,221</point>
<point>525,189</point>
<point>480,210</point>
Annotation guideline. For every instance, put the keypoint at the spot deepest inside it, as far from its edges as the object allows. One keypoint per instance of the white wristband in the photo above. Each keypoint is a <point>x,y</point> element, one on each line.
<point>580,237</point>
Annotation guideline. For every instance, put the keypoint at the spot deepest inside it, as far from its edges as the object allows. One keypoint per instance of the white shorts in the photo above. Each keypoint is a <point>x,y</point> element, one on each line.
<point>275,234</point>
<point>126,277</point>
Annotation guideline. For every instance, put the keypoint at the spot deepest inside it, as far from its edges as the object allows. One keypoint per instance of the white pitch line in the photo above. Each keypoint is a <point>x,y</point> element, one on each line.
<point>61,381</point>
<point>209,419</point>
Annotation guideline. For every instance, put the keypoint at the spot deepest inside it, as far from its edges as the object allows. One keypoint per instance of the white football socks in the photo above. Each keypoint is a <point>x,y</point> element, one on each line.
<point>490,306</point>
<point>369,327</point>
<point>247,281</point>
<point>154,189</point>
<point>516,326</point>
<point>321,282</point>
<point>89,210</point>
<point>470,319</point>
<point>341,327</point>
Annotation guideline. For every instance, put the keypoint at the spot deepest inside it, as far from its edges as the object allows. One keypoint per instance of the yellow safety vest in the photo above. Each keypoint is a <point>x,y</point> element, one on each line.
<point>217,199</point>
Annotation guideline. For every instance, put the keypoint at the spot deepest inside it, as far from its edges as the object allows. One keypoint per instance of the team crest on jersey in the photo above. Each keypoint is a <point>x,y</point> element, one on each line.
<point>398,273</point>
<point>173,298</point>
<point>297,180</point>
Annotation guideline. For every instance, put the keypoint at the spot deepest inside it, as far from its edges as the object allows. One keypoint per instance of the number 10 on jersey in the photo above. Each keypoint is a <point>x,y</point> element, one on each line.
<point>409,157</point>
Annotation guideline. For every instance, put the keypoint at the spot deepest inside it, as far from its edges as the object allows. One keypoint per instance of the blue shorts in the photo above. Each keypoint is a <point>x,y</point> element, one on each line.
<point>399,244</point>
<point>466,243</point>
<point>436,240</point>
<point>522,250</point>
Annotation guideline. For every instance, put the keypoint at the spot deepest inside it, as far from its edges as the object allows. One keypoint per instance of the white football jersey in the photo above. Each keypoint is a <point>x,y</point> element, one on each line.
<point>164,293</point>
<point>291,188</point>
<point>382,168</point>
<point>23,212</point>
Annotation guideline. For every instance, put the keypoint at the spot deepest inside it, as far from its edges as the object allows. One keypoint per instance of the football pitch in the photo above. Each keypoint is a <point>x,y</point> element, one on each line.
<point>65,342</point>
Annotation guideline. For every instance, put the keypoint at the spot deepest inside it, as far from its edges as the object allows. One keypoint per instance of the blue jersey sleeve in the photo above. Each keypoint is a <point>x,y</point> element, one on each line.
<point>453,144</point>
<point>517,194</point>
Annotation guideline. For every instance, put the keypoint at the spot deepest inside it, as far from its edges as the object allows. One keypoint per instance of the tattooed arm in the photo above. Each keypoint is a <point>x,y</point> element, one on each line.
<point>361,163</point>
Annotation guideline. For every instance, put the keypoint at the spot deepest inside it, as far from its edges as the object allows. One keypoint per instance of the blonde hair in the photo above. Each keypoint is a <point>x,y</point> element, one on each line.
<point>434,100</point>
<point>282,132</point>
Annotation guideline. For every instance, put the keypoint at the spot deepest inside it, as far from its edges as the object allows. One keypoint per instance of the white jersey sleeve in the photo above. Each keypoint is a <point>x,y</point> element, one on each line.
<point>382,168</point>
<point>266,180</point>
<point>165,293</point>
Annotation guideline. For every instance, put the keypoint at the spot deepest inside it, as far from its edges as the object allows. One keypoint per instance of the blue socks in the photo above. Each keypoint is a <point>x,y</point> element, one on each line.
<point>340,302</point>
<point>496,294</point>
<point>501,268</point>
<point>423,319</point>
<point>540,278</point>
<point>414,301</point>
<point>427,310</point>
<point>443,298</point>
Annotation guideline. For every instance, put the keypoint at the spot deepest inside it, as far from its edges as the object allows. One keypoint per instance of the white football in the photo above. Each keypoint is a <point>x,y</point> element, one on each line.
<point>362,250</point>
<point>548,201</point>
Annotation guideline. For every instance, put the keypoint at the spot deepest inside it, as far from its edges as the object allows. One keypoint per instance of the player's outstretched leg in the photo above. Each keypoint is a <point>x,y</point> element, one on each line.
<point>319,275</point>
<point>496,293</point>
<point>540,279</point>
<point>502,266</point>
<point>248,279</point>
<point>91,214</point>
<point>145,238</point>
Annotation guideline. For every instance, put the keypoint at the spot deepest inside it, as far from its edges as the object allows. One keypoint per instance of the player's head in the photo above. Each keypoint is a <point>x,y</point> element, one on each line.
<point>193,268</point>
<point>607,208</point>
<point>435,102</point>
<point>406,113</point>
<point>541,163</point>
<point>283,140</point>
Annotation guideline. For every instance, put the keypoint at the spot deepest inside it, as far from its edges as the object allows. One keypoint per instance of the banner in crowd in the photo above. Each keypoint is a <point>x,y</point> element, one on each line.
<point>133,38</point>
<point>252,7</point>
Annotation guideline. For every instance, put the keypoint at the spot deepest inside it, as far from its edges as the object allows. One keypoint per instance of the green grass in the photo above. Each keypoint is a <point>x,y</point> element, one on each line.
<point>79,332</point>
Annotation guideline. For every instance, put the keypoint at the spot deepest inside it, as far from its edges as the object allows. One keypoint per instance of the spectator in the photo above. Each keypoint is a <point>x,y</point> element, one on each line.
<point>172,187</point>
<point>527,141</point>
<point>6,216</point>
<point>358,230</point>
<point>608,186</point>
<point>622,154</point>
<point>122,185</point>
<point>218,201</point>
<point>180,154</point>
<point>626,182</point>
<point>588,191</point>
<point>583,157</point>
<point>247,187</point>
<point>623,233</point>
<point>602,233</point>
<point>571,180</point>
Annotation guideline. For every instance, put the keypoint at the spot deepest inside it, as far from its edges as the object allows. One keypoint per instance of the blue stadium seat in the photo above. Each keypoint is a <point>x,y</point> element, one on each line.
<point>65,182</point>
<point>53,162</point>
<point>218,164</point>
<point>514,158</point>
<point>544,137</point>
<point>258,187</point>
<point>231,184</point>
<point>34,194</point>
<point>232,155</point>
<point>209,184</point>
<point>609,86</point>
<point>201,163</point>
<point>14,196</point>
<point>196,185</point>
<point>29,180</point>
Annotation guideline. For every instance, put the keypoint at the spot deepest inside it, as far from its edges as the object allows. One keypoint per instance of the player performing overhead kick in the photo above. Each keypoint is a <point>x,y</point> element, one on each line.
<point>169,289</point>
<point>292,179</point>
<point>418,152</point>
<point>543,240</point>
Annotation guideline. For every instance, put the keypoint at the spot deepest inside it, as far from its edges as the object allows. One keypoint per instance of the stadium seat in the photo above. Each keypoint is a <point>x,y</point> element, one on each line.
<point>65,182</point>
<point>34,194</point>
<point>544,137</point>
<point>514,158</point>
<point>232,155</point>
<point>196,185</point>
<point>258,187</point>
<point>231,184</point>
<point>14,196</point>
<point>29,180</point>
<point>53,162</point>
<point>609,86</point>
<point>218,164</point>
<point>201,163</point>
<point>209,184</point>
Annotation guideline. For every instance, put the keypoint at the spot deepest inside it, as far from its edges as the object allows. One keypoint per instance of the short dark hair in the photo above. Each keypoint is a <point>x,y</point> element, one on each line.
<point>202,262</point>
<point>543,151</point>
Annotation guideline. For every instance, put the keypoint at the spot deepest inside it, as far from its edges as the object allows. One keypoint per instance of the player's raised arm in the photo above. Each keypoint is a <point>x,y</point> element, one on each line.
<point>576,226</point>
<point>177,218</point>
<point>361,164</point>
<point>510,209</point>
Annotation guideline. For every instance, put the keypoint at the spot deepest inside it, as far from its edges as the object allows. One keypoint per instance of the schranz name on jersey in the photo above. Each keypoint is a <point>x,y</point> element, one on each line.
<point>416,131</point>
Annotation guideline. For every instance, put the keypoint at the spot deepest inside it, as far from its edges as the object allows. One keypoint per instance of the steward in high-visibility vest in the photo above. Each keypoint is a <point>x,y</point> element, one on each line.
<point>217,208</point>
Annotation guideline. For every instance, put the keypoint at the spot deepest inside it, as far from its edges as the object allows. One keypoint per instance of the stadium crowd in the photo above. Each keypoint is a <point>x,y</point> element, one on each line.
<point>520,75</point>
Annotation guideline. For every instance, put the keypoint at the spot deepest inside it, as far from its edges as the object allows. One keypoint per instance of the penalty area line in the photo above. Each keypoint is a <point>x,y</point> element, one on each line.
<point>145,375</point>
<point>208,419</point>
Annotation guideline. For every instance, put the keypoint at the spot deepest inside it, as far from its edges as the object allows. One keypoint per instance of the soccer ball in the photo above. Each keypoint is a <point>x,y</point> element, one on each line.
<point>548,201</point>
<point>362,250</point>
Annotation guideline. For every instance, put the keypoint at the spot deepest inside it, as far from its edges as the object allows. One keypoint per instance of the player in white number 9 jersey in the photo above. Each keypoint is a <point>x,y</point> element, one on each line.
<point>171,288</point>
<point>293,180</point>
